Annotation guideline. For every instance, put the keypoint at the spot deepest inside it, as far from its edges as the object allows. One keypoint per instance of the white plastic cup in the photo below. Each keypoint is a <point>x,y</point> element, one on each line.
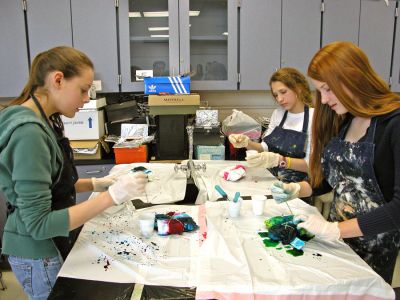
<point>162,226</point>
<point>258,203</point>
<point>251,152</point>
<point>146,224</point>
<point>234,208</point>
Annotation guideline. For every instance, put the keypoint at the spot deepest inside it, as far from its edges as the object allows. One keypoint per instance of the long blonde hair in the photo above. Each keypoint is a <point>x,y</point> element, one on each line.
<point>295,81</point>
<point>68,60</point>
<point>347,71</point>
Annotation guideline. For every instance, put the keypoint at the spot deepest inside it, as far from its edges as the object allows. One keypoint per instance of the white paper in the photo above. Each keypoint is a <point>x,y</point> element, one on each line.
<point>134,130</point>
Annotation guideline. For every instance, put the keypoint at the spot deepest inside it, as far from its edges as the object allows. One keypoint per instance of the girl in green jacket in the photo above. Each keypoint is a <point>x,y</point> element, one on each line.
<point>37,174</point>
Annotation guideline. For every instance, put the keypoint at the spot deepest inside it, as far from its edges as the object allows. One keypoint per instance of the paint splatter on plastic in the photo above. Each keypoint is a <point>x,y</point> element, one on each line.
<point>113,239</point>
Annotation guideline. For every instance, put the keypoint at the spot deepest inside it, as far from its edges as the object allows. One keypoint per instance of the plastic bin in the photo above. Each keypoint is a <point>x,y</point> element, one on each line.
<point>130,155</point>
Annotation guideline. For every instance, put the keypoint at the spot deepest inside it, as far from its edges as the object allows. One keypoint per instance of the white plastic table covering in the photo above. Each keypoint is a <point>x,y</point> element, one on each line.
<point>167,187</point>
<point>231,263</point>
<point>257,181</point>
<point>234,263</point>
<point>107,250</point>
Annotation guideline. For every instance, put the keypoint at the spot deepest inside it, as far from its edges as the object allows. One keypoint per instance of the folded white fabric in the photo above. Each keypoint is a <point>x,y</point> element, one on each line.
<point>233,173</point>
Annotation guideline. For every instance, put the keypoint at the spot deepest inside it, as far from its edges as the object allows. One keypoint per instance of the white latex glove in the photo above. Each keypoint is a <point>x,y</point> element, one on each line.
<point>239,140</point>
<point>263,159</point>
<point>317,225</point>
<point>127,187</point>
<point>283,192</point>
<point>102,184</point>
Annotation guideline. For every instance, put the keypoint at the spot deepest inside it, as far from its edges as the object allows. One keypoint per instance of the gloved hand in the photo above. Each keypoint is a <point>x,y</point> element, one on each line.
<point>317,225</point>
<point>283,192</point>
<point>263,159</point>
<point>127,187</point>
<point>239,140</point>
<point>102,184</point>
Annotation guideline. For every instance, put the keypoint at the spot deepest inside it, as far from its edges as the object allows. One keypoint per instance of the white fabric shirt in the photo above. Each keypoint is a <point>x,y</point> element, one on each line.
<point>294,122</point>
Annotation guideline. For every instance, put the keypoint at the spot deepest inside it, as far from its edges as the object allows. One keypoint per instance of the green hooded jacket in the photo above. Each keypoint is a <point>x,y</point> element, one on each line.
<point>30,159</point>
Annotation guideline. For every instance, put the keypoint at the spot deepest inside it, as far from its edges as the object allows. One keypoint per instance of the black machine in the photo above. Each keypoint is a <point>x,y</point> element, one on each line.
<point>171,138</point>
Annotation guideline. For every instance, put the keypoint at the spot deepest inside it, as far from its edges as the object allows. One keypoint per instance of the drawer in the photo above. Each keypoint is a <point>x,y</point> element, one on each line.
<point>89,171</point>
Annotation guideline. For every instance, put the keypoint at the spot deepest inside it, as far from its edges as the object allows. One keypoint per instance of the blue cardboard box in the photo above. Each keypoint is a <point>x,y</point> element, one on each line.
<point>170,85</point>
<point>203,152</point>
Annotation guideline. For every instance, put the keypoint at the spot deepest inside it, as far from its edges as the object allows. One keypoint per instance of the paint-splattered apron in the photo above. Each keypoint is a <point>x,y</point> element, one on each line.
<point>348,168</point>
<point>289,143</point>
<point>63,190</point>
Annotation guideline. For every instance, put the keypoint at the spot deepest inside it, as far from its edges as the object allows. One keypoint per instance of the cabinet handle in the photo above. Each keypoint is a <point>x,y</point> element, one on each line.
<point>93,172</point>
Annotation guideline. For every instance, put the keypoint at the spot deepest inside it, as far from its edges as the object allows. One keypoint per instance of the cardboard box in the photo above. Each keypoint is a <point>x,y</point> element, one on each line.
<point>174,100</point>
<point>173,104</point>
<point>171,85</point>
<point>173,110</point>
<point>93,146</point>
<point>86,125</point>
<point>95,104</point>
<point>210,152</point>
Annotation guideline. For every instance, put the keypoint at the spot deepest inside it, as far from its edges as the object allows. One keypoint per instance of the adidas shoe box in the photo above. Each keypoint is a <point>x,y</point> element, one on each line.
<point>169,85</point>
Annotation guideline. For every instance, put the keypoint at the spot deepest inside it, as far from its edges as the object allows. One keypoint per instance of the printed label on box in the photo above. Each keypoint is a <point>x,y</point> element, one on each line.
<point>174,100</point>
<point>86,125</point>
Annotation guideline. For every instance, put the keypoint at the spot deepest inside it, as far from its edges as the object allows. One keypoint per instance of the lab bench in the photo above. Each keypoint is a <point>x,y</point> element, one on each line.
<point>240,266</point>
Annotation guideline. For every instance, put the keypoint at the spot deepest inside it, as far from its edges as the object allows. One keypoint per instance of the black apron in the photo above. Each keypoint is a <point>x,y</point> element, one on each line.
<point>289,143</point>
<point>63,189</point>
<point>348,168</point>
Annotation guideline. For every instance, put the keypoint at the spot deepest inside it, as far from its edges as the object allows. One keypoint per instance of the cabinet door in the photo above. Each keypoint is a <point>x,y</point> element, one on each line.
<point>396,61</point>
<point>49,24</point>
<point>376,34</point>
<point>260,42</point>
<point>89,171</point>
<point>301,26</point>
<point>149,40</point>
<point>341,21</point>
<point>13,49</point>
<point>94,31</point>
<point>208,43</point>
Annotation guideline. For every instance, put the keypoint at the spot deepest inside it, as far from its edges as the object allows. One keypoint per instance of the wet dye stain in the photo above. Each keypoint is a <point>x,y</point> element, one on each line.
<point>107,265</point>
<point>270,243</point>
<point>263,234</point>
<point>288,247</point>
<point>279,248</point>
<point>317,254</point>
<point>294,252</point>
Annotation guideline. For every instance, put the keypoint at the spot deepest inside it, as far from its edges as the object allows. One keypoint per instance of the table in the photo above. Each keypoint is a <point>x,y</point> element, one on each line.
<point>230,261</point>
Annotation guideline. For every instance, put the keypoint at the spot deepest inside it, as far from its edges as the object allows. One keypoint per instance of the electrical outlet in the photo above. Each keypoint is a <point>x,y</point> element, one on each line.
<point>97,84</point>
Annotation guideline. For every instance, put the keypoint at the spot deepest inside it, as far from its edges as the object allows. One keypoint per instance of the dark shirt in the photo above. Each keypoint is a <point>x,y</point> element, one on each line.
<point>387,171</point>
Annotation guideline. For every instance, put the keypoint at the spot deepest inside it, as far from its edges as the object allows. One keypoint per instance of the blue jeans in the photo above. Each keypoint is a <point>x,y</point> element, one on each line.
<point>37,276</point>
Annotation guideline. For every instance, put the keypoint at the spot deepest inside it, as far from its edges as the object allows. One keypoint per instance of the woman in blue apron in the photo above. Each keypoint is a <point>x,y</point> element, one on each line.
<point>356,152</point>
<point>286,144</point>
<point>37,174</point>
